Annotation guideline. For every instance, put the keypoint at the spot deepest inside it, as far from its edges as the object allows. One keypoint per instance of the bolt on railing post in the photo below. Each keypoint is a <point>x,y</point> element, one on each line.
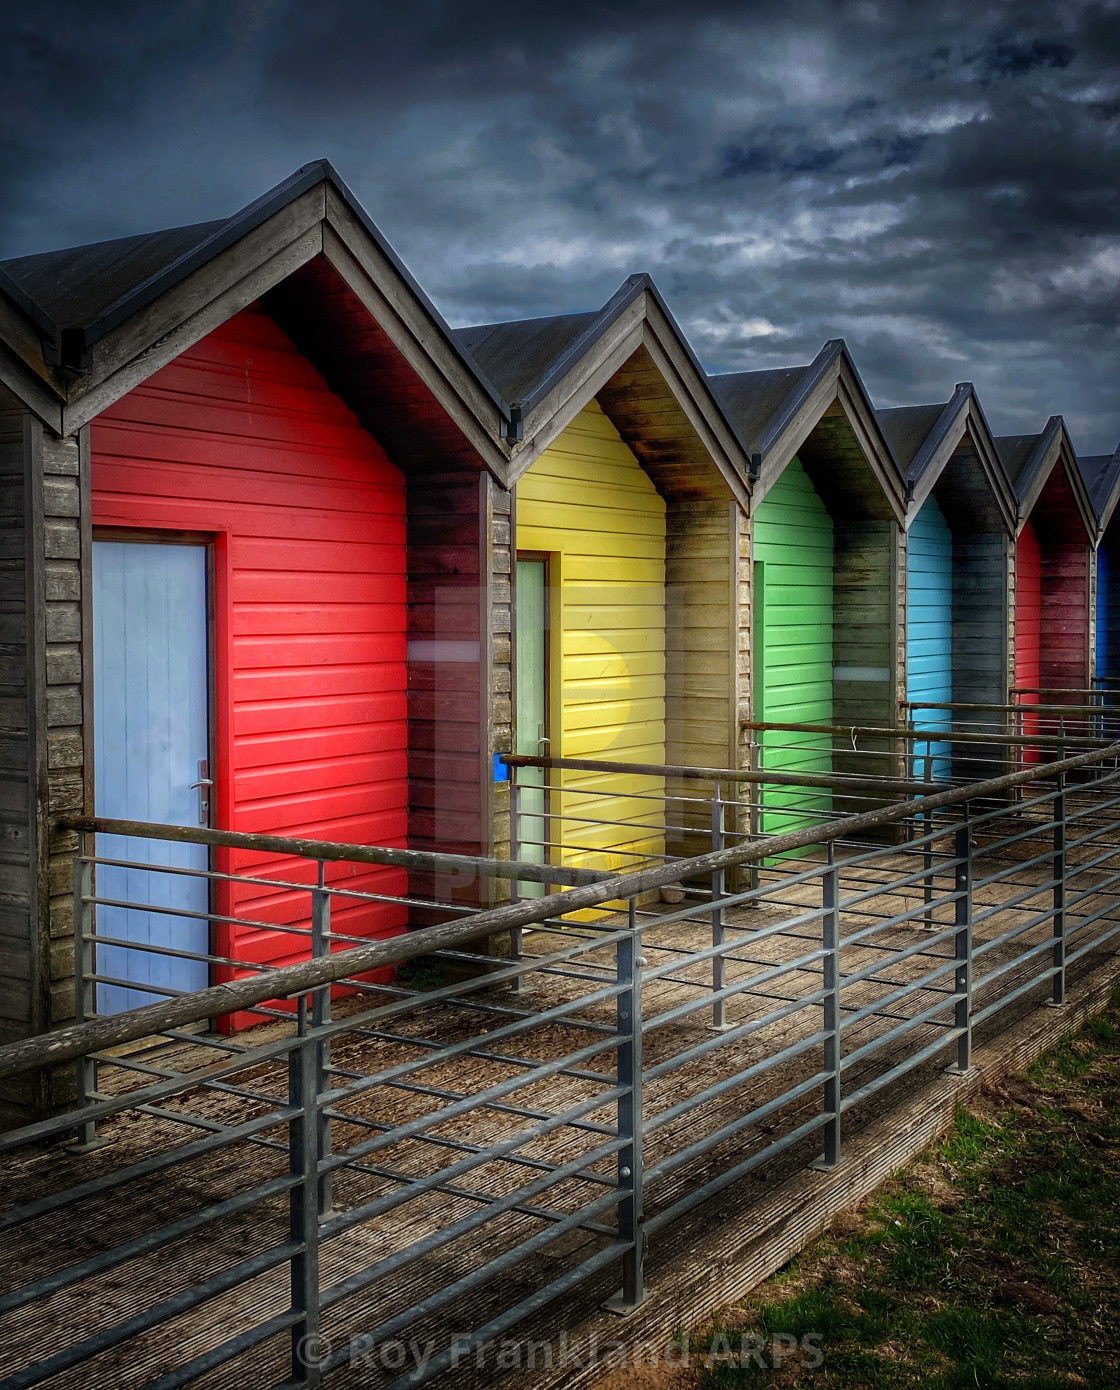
<point>320,1015</point>
<point>962,979</point>
<point>719,964</point>
<point>85,990</point>
<point>1059,873</point>
<point>629,964</point>
<point>303,1209</point>
<point>831,1022</point>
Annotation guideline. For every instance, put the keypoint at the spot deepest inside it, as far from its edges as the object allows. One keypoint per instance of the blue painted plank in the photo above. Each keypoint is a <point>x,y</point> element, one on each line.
<point>929,630</point>
<point>151,729</point>
<point>1105,601</point>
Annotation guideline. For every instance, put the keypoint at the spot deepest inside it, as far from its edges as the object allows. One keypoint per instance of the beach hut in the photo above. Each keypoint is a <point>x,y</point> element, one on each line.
<point>1101,475</point>
<point>828,512</point>
<point>630,499</point>
<point>254,494</point>
<point>1057,529</point>
<point>960,534</point>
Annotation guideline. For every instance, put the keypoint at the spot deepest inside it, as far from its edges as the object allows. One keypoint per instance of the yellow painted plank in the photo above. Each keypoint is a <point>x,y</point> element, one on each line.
<point>588,502</point>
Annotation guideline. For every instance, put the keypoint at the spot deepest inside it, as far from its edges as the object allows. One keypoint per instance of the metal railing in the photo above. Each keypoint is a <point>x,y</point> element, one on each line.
<point>433,1161</point>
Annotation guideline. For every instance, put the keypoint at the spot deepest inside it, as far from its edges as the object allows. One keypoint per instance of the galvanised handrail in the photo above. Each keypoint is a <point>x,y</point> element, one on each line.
<point>332,851</point>
<point>841,781</point>
<point>1018,708</point>
<point>67,1044</point>
<point>993,739</point>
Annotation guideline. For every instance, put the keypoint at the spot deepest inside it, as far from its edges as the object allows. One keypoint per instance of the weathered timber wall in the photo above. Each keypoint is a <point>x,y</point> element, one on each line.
<point>703,639</point>
<point>459,670</point>
<point>23,993</point>
<point>44,544</point>
<point>981,633</point>
<point>868,636</point>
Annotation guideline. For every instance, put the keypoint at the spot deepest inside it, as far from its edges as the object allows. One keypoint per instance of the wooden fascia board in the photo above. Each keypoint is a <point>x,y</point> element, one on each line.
<point>389,302</point>
<point>18,377</point>
<point>190,295</point>
<point>865,426</point>
<point>567,398</point>
<point>946,437</point>
<point>940,458</point>
<point>1112,498</point>
<point>796,423</point>
<point>619,308</point>
<point>1039,468</point>
<point>23,338</point>
<point>633,327</point>
<point>1077,487</point>
<point>976,425</point>
<point>699,411</point>
<point>935,452</point>
<point>209,313</point>
<point>412,309</point>
<point>694,395</point>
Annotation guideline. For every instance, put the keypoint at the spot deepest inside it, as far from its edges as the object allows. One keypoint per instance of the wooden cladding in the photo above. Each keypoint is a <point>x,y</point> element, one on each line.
<point>241,440</point>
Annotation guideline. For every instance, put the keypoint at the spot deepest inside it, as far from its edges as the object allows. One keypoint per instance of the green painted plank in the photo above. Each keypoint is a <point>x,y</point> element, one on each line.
<point>793,548</point>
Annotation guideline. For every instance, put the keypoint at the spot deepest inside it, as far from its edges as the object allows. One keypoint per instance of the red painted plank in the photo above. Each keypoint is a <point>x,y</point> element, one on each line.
<point>241,438</point>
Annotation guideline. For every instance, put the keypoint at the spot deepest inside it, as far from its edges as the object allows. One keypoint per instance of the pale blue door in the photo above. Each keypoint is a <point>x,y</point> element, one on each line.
<point>151,746</point>
<point>929,638</point>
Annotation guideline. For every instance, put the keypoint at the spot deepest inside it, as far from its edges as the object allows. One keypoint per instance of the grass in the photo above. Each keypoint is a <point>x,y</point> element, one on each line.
<point>991,1263</point>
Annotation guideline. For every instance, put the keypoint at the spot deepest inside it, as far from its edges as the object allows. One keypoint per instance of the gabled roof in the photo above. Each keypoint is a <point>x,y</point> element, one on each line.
<point>518,356</point>
<point>1030,460</point>
<point>948,450</point>
<point>1101,475</point>
<point>75,288</point>
<point>907,427</point>
<point>632,358</point>
<point>818,409</point>
<point>80,327</point>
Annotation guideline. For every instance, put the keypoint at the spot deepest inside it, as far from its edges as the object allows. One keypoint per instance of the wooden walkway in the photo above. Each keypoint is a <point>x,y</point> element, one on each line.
<point>83,1230</point>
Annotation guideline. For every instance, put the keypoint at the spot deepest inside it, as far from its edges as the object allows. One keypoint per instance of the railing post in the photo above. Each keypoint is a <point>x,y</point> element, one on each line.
<point>927,853</point>
<point>320,1015</point>
<point>631,1217</point>
<point>962,980</point>
<point>1059,873</point>
<point>719,965</point>
<point>515,936</point>
<point>85,990</point>
<point>303,1208</point>
<point>754,818</point>
<point>831,1022</point>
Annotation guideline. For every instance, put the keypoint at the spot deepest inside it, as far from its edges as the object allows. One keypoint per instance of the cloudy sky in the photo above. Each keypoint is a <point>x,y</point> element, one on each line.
<point>938,184</point>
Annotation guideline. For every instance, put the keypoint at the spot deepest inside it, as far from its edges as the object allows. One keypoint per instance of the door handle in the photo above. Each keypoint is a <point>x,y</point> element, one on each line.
<point>204,781</point>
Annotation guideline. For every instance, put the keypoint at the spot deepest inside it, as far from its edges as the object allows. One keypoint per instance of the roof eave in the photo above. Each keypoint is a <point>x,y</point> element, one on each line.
<point>974,422</point>
<point>832,373</point>
<point>635,316</point>
<point>1112,497</point>
<point>935,452</point>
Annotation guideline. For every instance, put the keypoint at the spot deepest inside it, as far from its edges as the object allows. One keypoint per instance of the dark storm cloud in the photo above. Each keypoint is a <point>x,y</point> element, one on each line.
<point>936,184</point>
